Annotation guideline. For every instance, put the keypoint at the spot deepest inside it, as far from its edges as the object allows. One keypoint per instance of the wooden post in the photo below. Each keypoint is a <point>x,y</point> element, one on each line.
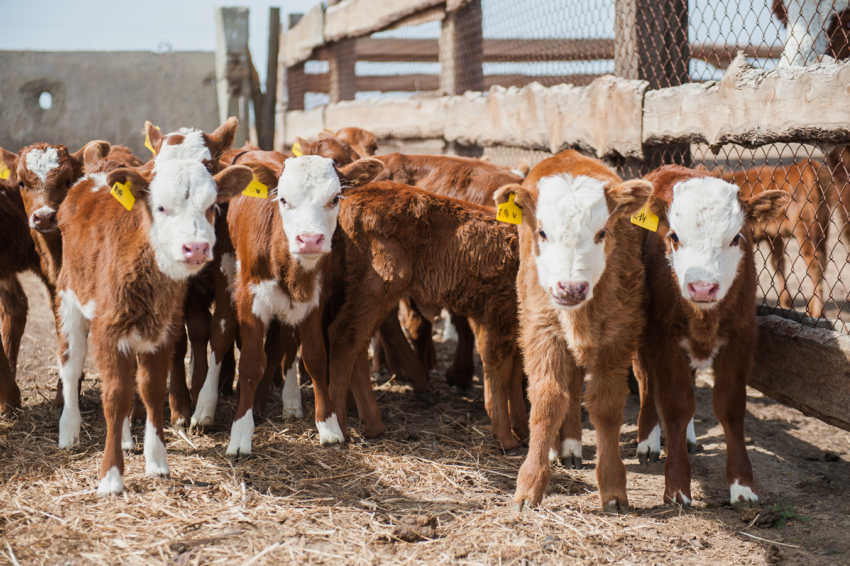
<point>232,68</point>
<point>342,57</point>
<point>296,82</point>
<point>651,43</point>
<point>462,60</point>
<point>265,129</point>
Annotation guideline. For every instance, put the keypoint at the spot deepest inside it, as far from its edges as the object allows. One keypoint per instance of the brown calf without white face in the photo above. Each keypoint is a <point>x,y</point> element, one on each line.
<point>700,314</point>
<point>397,242</point>
<point>581,290</point>
<point>17,254</point>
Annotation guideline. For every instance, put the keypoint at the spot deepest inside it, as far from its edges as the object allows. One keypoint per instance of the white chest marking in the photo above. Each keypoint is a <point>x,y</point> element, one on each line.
<point>270,302</point>
<point>701,364</point>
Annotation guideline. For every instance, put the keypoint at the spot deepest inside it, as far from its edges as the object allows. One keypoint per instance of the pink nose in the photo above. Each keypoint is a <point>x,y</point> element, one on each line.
<point>570,292</point>
<point>196,252</point>
<point>702,292</point>
<point>310,243</point>
<point>44,221</point>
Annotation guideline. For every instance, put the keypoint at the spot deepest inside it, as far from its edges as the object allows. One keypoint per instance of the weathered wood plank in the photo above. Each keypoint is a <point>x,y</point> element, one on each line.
<point>355,18</point>
<point>233,68</point>
<point>418,82</point>
<point>785,369</point>
<point>298,42</point>
<point>753,107</point>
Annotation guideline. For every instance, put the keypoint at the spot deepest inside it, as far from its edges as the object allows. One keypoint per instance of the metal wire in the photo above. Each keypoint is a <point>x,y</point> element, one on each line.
<point>667,43</point>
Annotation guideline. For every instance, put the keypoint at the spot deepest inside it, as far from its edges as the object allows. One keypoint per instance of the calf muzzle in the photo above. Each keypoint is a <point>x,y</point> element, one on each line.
<point>702,292</point>
<point>570,293</point>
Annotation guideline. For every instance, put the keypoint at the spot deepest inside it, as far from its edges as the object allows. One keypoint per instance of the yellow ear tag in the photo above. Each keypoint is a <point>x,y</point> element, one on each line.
<point>646,219</point>
<point>123,194</point>
<point>296,150</point>
<point>256,189</point>
<point>148,143</point>
<point>4,171</point>
<point>510,212</point>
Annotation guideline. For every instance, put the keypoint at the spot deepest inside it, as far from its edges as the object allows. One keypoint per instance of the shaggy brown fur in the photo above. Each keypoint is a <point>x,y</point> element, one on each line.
<point>396,242</point>
<point>362,141</point>
<point>110,262</point>
<point>662,366</point>
<point>17,254</point>
<point>597,340</point>
<point>806,219</point>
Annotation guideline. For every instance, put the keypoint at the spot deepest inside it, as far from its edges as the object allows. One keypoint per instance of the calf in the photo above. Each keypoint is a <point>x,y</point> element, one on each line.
<point>362,141</point>
<point>18,254</point>
<point>283,256</point>
<point>701,313</point>
<point>581,292</point>
<point>806,219</point>
<point>125,277</point>
<point>397,242</point>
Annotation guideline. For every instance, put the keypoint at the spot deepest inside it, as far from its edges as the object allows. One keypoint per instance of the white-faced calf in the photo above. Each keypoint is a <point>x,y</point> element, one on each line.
<point>701,314</point>
<point>581,289</point>
<point>124,278</point>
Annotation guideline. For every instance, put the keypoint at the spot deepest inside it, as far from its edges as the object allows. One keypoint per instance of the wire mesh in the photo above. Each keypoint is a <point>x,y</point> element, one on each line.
<point>802,258</point>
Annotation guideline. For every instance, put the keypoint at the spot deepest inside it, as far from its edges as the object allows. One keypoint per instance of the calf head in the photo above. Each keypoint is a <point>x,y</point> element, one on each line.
<point>362,141</point>
<point>571,223</point>
<point>44,175</point>
<point>705,225</point>
<point>191,143</point>
<point>308,194</point>
<point>179,198</point>
<point>331,147</point>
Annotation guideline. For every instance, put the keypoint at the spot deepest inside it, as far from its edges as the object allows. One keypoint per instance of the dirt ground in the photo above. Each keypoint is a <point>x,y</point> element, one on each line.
<point>294,502</point>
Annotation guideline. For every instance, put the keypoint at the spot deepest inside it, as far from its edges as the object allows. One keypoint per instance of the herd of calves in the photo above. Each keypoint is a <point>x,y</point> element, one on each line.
<point>564,276</point>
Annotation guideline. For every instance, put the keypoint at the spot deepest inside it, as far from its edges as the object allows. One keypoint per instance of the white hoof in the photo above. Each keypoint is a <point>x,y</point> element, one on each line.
<point>156,464</point>
<point>208,397</point>
<point>240,436</point>
<point>329,431</point>
<point>127,436</point>
<point>449,331</point>
<point>69,426</point>
<point>292,396</point>
<point>111,484</point>
<point>741,496</point>
<point>652,444</point>
<point>180,423</point>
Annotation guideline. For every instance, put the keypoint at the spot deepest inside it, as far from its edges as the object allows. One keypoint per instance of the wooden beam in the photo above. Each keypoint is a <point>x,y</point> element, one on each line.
<point>784,369</point>
<point>304,34</point>
<point>232,66</point>
<point>266,131</point>
<point>720,55</point>
<point>356,18</point>
<point>422,82</point>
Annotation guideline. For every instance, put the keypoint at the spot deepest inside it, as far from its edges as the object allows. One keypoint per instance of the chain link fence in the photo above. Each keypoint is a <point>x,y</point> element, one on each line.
<point>802,258</point>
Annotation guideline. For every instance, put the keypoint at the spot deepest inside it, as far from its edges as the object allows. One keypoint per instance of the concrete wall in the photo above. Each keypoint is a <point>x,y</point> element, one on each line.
<point>103,95</point>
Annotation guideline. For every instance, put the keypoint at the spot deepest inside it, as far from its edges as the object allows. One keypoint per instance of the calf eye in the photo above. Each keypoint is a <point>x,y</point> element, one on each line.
<point>160,209</point>
<point>735,241</point>
<point>21,184</point>
<point>674,237</point>
<point>542,235</point>
<point>601,235</point>
<point>335,201</point>
<point>283,201</point>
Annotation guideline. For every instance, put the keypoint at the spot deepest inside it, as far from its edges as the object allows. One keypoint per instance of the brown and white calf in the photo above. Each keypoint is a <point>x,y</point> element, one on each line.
<point>700,314</point>
<point>581,292</point>
<point>397,242</point>
<point>806,219</point>
<point>282,259</point>
<point>17,255</point>
<point>124,280</point>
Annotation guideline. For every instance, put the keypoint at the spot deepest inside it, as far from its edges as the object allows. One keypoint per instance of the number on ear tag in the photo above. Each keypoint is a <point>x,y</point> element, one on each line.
<point>123,194</point>
<point>148,142</point>
<point>296,150</point>
<point>646,219</point>
<point>4,171</point>
<point>510,212</point>
<point>256,189</point>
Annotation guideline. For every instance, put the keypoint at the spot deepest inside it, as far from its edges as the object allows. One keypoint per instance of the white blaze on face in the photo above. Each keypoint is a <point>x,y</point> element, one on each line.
<point>181,193</point>
<point>571,212</point>
<point>706,216</point>
<point>42,161</point>
<point>192,147</point>
<point>308,193</point>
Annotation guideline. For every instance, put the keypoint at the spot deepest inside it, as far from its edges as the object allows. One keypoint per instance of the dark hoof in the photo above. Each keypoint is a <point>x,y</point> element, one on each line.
<point>616,508</point>
<point>748,504</point>
<point>425,397</point>
<point>572,462</point>
<point>677,505</point>
<point>692,447</point>
<point>648,457</point>
<point>57,413</point>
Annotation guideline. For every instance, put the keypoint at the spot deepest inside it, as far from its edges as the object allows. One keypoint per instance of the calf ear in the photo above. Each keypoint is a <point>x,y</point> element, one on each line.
<point>360,172</point>
<point>155,137</point>
<point>628,197</point>
<point>232,181</point>
<point>10,160</point>
<point>89,154</point>
<point>223,137</point>
<point>139,183</point>
<point>306,147</point>
<point>267,175</point>
<point>766,206</point>
<point>522,199</point>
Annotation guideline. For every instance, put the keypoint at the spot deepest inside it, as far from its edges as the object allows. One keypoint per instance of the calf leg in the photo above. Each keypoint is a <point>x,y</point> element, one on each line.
<point>460,373</point>
<point>516,400</point>
<point>649,429</point>
<point>330,411</point>
<point>568,449</point>
<point>274,356</point>
<point>228,372</point>
<point>13,308</point>
<point>152,378</point>
<point>364,398</point>
<point>252,364</point>
<point>291,392</point>
<point>606,402</point>
<point>677,404</point>
<point>73,343</point>
<point>222,335</point>
<point>809,235</point>
<point>777,256</point>
<point>379,359</point>
<point>117,388</point>
<point>498,374</point>
<point>179,399</point>
<point>419,328</point>
<point>10,395</point>
<point>732,367</point>
<point>198,326</point>
<point>400,356</point>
